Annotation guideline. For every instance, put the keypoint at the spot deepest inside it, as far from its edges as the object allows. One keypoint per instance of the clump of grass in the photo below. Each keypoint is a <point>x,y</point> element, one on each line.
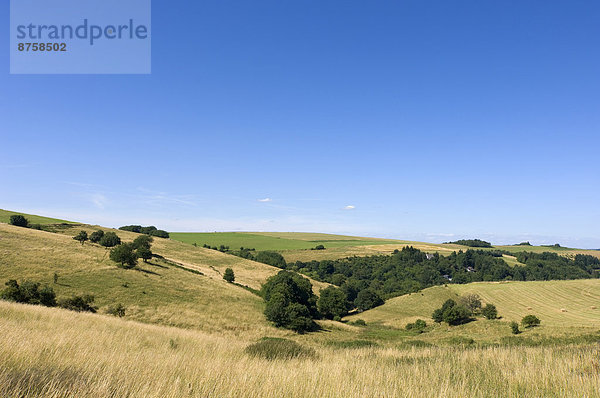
<point>461,341</point>
<point>277,348</point>
<point>352,343</point>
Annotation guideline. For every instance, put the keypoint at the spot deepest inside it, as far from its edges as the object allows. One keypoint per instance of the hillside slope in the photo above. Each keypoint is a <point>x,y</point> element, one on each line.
<point>560,304</point>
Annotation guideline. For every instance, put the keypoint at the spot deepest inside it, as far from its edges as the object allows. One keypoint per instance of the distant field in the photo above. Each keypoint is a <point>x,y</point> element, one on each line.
<point>559,304</point>
<point>274,241</point>
<point>33,219</point>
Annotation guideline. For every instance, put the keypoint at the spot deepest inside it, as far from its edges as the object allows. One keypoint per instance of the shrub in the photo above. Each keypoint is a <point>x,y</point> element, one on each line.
<point>367,299</point>
<point>359,322</point>
<point>514,327</point>
<point>125,255</point>
<point>81,237</point>
<point>29,293</point>
<point>18,220</point>
<point>143,241</point>
<point>110,239</point>
<point>457,315</point>
<point>419,326</point>
<point>96,236</point>
<point>530,321</point>
<point>78,303</point>
<point>229,276</point>
<point>332,303</point>
<point>438,315</point>
<point>277,348</point>
<point>490,311</point>
<point>352,343</point>
<point>116,310</point>
<point>271,258</point>
<point>318,247</point>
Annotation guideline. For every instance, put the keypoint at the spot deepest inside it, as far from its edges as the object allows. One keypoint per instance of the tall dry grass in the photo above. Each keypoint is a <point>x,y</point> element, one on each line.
<point>56,353</point>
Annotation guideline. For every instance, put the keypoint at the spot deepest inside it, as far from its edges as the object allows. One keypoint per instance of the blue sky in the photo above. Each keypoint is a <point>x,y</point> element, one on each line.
<point>407,119</point>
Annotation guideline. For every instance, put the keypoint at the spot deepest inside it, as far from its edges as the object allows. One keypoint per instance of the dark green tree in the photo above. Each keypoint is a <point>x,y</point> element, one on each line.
<point>110,239</point>
<point>272,258</point>
<point>332,303</point>
<point>367,299</point>
<point>143,241</point>
<point>229,276</point>
<point>81,237</point>
<point>530,321</point>
<point>18,220</point>
<point>144,253</point>
<point>514,327</point>
<point>457,315</point>
<point>490,311</point>
<point>96,236</point>
<point>124,254</point>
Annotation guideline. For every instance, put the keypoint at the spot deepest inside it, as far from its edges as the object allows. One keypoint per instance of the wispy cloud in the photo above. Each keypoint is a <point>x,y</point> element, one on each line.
<point>265,200</point>
<point>349,207</point>
<point>98,200</point>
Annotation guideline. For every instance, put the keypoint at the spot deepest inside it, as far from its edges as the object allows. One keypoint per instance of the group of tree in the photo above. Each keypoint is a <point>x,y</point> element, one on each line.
<point>410,270</point>
<point>528,321</point>
<point>108,239</point>
<point>151,230</point>
<point>472,243</point>
<point>464,311</point>
<point>290,302</point>
<point>127,254</point>
<point>31,293</point>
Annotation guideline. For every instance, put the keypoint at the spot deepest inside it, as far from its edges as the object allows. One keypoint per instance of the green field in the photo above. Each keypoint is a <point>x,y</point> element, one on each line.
<point>274,241</point>
<point>33,219</point>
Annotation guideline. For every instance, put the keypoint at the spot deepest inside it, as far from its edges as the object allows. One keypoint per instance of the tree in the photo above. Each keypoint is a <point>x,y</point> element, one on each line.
<point>229,276</point>
<point>29,293</point>
<point>514,327</point>
<point>110,239</point>
<point>332,303</point>
<point>457,315</point>
<point>272,258</point>
<point>530,321</point>
<point>124,254</point>
<point>96,236</point>
<point>367,299</point>
<point>472,302</point>
<point>291,302</point>
<point>438,315</point>
<point>144,241</point>
<point>81,237</point>
<point>78,303</point>
<point>144,253</point>
<point>18,220</point>
<point>490,311</point>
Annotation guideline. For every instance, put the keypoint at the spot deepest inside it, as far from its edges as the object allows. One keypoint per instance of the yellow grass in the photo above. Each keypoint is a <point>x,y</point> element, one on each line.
<point>56,353</point>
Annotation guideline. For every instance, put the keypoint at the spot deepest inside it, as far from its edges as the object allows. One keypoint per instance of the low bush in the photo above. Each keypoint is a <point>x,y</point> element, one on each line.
<point>229,276</point>
<point>514,327</point>
<point>358,322</point>
<point>352,343</point>
<point>96,236</point>
<point>116,310</point>
<point>277,348</point>
<point>490,311</point>
<point>530,321</point>
<point>29,293</point>
<point>18,220</point>
<point>418,326</point>
<point>78,303</point>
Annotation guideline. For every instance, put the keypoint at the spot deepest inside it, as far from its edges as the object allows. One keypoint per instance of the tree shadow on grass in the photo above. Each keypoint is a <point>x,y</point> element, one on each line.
<point>145,271</point>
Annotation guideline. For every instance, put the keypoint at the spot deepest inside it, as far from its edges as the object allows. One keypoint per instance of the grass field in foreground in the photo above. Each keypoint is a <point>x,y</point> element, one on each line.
<point>57,353</point>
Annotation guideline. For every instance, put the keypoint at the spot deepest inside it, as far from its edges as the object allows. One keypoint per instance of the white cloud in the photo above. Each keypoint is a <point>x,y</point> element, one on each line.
<point>99,200</point>
<point>349,207</point>
<point>265,200</point>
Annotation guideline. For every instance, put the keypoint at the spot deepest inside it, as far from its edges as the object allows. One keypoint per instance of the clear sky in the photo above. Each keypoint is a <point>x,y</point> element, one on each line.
<point>409,119</point>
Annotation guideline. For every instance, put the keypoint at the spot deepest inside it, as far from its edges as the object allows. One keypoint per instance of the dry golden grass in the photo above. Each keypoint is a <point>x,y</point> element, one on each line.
<point>56,353</point>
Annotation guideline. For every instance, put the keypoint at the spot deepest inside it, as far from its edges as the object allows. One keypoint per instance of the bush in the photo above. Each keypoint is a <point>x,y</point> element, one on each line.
<point>116,310</point>
<point>29,293</point>
<point>159,233</point>
<point>490,311</point>
<point>271,258</point>
<point>457,315</point>
<point>110,239</point>
<point>332,303</point>
<point>438,315</point>
<point>418,326</point>
<point>125,255</point>
<point>352,343</point>
<point>514,326</point>
<point>143,241</point>
<point>18,221</point>
<point>229,276</point>
<point>81,237</point>
<point>367,299</point>
<point>318,247</point>
<point>78,303</point>
<point>359,322</point>
<point>96,236</point>
<point>530,321</point>
<point>277,348</point>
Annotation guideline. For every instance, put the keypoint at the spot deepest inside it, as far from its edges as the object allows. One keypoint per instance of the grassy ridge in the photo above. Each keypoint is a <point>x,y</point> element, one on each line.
<point>52,352</point>
<point>33,219</point>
